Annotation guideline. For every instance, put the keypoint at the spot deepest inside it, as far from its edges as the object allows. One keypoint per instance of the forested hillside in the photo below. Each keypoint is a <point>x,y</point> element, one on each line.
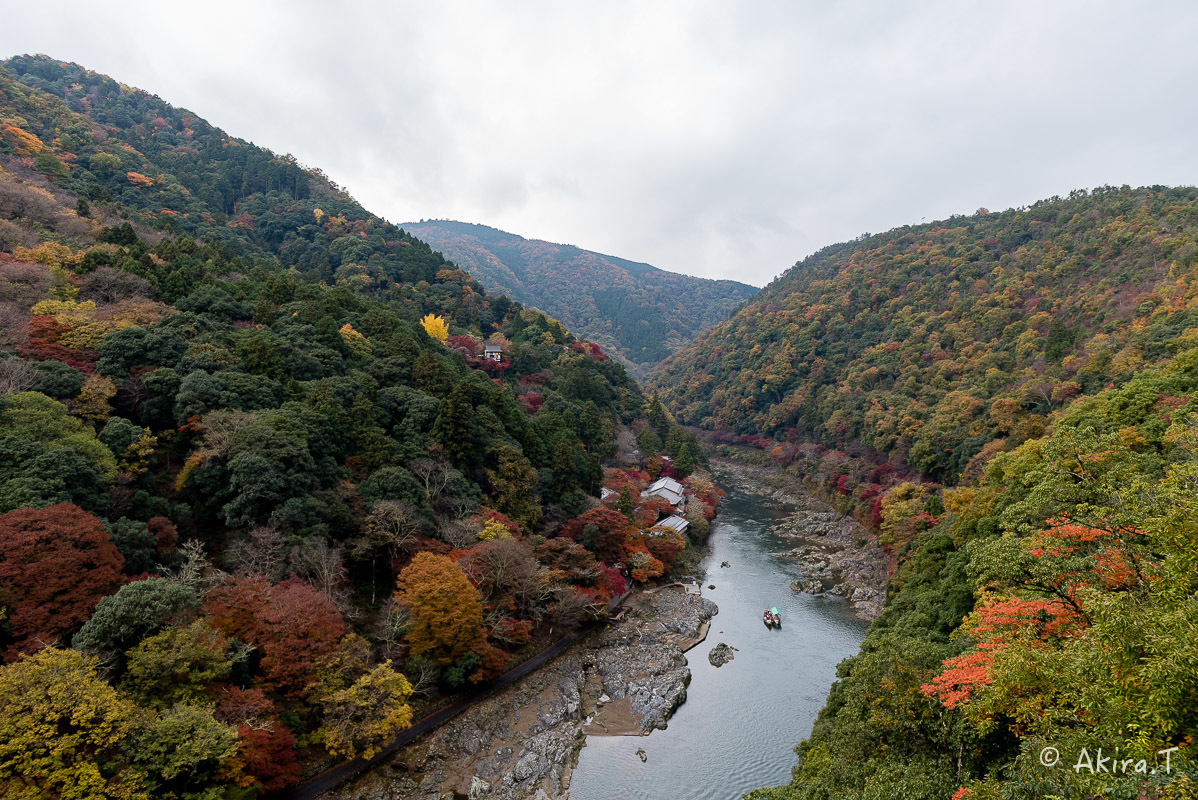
<point>261,497</point>
<point>928,343</point>
<point>1010,401</point>
<point>636,312</point>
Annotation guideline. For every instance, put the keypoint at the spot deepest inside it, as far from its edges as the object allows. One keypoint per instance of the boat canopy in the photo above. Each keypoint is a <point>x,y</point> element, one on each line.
<point>774,610</point>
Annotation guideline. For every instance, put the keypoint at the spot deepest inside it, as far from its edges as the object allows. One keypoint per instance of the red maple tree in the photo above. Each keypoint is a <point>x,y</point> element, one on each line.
<point>55,565</point>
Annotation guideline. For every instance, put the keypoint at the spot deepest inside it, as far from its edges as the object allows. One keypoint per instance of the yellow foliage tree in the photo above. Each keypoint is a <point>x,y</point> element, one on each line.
<point>134,461</point>
<point>902,506</point>
<point>435,327</point>
<point>89,325</point>
<point>62,729</point>
<point>52,254</point>
<point>363,717</point>
<point>92,401</point>
<point>494,530</point>
<point>357,344</point>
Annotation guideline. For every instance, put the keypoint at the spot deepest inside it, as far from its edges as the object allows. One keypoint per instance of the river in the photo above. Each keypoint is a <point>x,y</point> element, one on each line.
<point>739,725</point>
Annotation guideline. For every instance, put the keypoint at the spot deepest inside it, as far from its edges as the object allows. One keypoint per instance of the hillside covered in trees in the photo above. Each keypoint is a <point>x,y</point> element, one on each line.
<point>262,497</point>
<point>1010,401</point>
<point>636,312</point>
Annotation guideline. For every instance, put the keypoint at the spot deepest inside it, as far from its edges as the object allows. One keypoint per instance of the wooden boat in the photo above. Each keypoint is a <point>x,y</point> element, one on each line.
<point>777,616</point>
<point>772,618</point>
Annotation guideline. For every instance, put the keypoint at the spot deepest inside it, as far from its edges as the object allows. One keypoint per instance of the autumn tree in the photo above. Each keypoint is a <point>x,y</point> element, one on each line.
<point>435,327</point>
<point>601,530</point>
<point>362,717</point>
<point>55,565</point>
<point>505,573</point>
<point>446,610</point>
<point>569,558</point>
<point>665,544</point>
<point>62,730</point>
<point>357,344</point>
<point>266,748</point>
<point>294,625</point>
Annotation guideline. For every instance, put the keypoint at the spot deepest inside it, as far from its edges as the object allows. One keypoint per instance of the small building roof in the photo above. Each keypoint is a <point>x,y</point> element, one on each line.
<point>676,523</point>
<point>605,493</point>
<point>493,348</point>
<point>666,483</point>
<point>673,498</point>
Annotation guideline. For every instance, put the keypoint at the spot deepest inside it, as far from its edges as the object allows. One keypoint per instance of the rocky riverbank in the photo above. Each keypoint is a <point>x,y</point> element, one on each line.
<point>837,556</point>
<point>626,679</point>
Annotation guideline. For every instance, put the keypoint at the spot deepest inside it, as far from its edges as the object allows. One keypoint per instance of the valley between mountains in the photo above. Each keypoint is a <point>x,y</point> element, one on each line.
<point>279,477</point>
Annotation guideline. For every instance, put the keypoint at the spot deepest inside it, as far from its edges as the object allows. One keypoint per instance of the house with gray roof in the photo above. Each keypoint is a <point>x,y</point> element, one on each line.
<point>669,490</point>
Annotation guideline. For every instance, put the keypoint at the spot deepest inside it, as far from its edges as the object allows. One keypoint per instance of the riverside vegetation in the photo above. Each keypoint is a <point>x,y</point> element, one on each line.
<point>262,498</point>
<point>1010,401</point>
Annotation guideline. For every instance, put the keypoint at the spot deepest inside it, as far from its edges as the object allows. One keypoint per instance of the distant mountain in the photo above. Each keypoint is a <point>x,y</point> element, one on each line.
<point>635,311</point>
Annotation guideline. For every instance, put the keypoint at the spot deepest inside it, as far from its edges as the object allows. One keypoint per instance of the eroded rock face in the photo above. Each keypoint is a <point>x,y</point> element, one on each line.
<point>524,742</point>
<point>641,664</point>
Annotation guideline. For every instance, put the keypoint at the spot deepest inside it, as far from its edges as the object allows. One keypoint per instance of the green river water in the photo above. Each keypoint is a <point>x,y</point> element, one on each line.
<point>739,725</point>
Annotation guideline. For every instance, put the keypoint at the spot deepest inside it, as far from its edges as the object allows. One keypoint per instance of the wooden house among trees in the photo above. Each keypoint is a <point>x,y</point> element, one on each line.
<point>675,523</point>
<point>669,490</point>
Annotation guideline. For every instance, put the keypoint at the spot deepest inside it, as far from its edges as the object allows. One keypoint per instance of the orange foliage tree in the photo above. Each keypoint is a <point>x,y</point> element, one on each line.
<point>446,609</point>
<point>997,624</point>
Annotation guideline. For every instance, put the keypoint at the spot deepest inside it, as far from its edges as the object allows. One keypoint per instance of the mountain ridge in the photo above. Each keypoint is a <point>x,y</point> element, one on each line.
<point>636,311</point>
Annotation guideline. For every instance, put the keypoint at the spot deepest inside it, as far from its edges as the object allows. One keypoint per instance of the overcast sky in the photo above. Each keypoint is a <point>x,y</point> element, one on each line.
<point>719,139</point>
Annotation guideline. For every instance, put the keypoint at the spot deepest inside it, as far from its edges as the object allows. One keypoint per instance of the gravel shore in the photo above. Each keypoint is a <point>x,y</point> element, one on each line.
<point>626,679</point>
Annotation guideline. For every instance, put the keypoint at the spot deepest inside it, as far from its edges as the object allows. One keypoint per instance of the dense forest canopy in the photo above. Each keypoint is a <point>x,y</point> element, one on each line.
<point>927,343</point>
<point>638,313</point>
<point>1009,401</point>
<point>262,494</point>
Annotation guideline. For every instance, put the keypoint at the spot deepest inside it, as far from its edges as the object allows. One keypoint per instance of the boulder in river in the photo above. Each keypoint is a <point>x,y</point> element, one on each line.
<point>721,654</point>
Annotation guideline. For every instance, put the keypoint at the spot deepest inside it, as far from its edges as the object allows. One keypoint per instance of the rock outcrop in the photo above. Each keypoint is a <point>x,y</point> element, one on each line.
<point>524,742</point>
<point>640,663</point>
<point>721,654</point>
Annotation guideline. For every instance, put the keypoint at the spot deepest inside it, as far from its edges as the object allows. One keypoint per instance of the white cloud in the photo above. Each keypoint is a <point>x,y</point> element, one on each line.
<point>724,140</point>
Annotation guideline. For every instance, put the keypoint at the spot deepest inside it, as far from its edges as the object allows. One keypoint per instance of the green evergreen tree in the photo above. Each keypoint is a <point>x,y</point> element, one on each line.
<point>658,418</point>
<point>454,427</point>
<point>565,466</point>
<point>624,504</point>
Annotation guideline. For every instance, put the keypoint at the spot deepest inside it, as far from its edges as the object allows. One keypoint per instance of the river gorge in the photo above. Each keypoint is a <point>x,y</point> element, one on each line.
<point>740,722</point>
<point>626,715</point>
